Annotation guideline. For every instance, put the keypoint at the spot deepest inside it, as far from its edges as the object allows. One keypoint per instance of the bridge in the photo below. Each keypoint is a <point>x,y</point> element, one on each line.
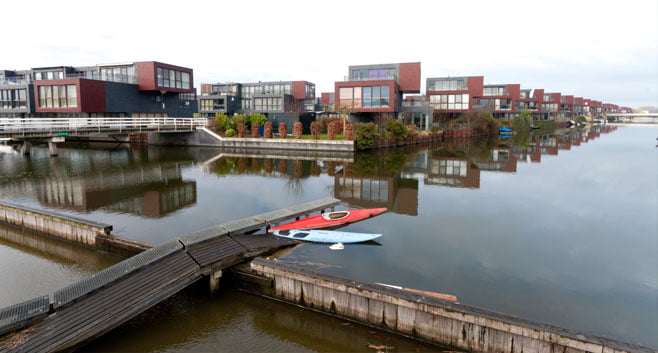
<point>86,309</point>
<point>632,115</point>
<point>54,130</point>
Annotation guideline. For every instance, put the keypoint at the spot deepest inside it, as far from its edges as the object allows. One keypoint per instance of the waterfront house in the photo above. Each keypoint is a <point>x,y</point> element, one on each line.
<point>138,89</point>
<point>279,101</point>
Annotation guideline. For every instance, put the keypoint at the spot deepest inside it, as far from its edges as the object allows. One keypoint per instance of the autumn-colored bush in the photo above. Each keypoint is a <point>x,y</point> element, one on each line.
<point>297,130</point>
<point>315,129</point>
<point>267,131</point>
<point>349,132</point>
<point>242,130</point>
<point>335,127</point>
<point>283,130</point>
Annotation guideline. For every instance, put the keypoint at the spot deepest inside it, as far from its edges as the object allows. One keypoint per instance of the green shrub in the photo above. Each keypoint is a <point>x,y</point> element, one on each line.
<point>222,122</point>
<point>256,119</point>
<point>366,135</point>
<point>237,119</point>
<point>396,129</point>
<point>230,132</point>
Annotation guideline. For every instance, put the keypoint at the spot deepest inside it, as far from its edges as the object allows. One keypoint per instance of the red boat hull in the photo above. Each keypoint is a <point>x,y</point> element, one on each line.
<point>320,221</point>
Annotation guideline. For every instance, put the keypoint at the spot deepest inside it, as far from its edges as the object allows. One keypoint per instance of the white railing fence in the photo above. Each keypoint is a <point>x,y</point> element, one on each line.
<point>74,125</point>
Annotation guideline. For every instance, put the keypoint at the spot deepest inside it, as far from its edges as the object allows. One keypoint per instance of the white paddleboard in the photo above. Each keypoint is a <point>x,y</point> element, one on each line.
<point>325,236</point>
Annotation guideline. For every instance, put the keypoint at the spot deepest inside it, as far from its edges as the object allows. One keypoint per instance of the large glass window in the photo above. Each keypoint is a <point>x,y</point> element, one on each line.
<point>13,98</point>
<point>173,78</point>
<point>59,96</point>
<point>457,84</point>
<point>449,101</point>
<point>373,74</point>
<point>495,91</point>
<point>268,103</point>
<point>367,97</point>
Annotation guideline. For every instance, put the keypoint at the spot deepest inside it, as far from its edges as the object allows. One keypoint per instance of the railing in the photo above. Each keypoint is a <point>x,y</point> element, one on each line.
<point>14,126</point>
<point>378,78</point>
<point>14,81</point>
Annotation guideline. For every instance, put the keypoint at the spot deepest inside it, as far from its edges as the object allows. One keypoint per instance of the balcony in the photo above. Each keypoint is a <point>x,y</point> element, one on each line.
<point>386,77</point>
<point>10,81</point>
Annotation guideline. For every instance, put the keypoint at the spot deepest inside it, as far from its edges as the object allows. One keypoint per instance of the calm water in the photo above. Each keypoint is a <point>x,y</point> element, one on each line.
<point>560,229</point>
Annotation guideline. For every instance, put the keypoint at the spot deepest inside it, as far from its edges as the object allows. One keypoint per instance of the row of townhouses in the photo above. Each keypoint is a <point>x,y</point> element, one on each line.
<point>367,93</point>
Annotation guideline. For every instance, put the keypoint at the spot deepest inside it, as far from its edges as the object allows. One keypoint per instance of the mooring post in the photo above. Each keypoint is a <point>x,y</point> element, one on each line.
<point>214,281</point>
<point>52,148</point>
<point>26,147</point>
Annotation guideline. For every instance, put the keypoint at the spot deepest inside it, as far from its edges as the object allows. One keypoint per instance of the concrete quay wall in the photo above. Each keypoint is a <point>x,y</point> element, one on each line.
<point>70,229</point>
<point>64,227</point>
<point>205,137</point>
<point>423,317</point>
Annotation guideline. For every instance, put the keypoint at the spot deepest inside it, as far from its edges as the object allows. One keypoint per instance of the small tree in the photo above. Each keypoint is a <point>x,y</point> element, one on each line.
<point>283,130</point>
<point>366,135</point>
<point>237,119</point>
<point>315,129</point>
<point>242,130</point>
<point>222,122</point>
<point>334,128</point>
<point>297,130</point>
<point>267,132</point>
<point>349,132</point>
<point>256,120</point>
<point>395,129</point>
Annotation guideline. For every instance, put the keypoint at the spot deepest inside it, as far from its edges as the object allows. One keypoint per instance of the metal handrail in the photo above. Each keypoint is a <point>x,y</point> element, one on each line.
<point>99,124</point>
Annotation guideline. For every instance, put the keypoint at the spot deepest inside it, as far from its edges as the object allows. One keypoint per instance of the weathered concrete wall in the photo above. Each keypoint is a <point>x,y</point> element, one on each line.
<point>427,318</point>
<point>68,228</point>
<point>204,137</point>
<point>71,229</point>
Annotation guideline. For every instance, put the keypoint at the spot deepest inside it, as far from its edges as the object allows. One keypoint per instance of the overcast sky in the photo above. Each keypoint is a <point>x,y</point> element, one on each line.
<point>604,50</point>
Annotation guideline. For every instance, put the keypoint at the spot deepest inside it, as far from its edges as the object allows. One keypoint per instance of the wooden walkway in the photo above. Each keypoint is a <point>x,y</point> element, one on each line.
<point>95,305</point>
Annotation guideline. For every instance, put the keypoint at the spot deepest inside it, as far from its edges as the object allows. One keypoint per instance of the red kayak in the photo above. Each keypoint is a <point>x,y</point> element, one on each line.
<point>331,219</point>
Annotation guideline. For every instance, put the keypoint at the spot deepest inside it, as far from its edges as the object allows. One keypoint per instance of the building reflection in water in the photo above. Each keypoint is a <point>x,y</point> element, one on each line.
<point>149,182</point>
<point>390,178</point>
<point>124,181</point>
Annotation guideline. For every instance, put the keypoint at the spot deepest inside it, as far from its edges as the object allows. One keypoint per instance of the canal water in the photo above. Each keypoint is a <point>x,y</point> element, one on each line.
<point>557,228</point>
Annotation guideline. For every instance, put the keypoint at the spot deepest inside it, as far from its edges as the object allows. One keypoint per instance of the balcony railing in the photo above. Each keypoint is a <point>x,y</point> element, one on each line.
<point>31,126</point>
<point>14,81</point>
<point>378,78</point>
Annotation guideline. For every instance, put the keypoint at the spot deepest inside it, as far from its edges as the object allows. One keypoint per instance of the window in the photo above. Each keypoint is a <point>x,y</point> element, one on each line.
<point>268,103</point>
<point>60,96</point>
<point>448,85</point>
<point>310,90</point>
<point>13,98</point>
<point>452,168</point>
<point>449,101</point>
<point>173,78</point>
<point>373,74</point>
<point>366,97</point>
<point>495,91</point>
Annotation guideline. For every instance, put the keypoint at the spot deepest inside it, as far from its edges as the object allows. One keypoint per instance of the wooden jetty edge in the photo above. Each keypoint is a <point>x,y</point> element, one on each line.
<point>86,309</point>
<point>422,317</point>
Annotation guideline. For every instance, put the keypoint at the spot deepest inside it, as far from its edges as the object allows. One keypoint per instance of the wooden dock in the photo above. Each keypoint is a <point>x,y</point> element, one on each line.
<point>95,305</point>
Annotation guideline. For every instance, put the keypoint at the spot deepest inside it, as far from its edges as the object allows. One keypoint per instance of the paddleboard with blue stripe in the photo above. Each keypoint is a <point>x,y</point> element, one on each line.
<point>325,236</point>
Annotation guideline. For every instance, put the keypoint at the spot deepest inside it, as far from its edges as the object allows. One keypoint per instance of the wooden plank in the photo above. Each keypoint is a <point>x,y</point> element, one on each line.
<point>111,306</point>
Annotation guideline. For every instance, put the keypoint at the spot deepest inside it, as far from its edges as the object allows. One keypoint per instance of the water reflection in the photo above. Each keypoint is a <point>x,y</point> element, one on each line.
<point>149,182</point>
<point>532,225</point>
<point>121,180</point>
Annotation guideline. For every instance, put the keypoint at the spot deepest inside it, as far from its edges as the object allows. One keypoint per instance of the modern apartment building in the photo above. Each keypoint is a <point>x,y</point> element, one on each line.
<point>147,88</point>
<point>280,101</point>
<point>372,92</point>
<point>500,100</point>
<point>454,95</point>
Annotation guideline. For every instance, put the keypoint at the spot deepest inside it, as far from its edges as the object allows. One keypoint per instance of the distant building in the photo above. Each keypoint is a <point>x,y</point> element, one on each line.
<point>375,92</point>
<point>134,89</point>
<point>280,101</point>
